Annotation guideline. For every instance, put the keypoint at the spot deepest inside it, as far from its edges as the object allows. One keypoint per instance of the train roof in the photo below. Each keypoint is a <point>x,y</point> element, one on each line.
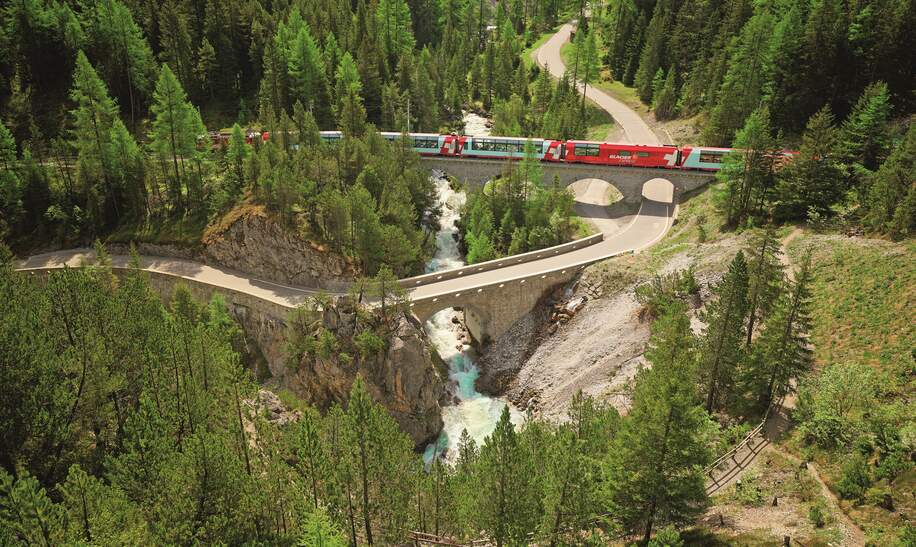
<point>574,141</point>
<point>398,134</point>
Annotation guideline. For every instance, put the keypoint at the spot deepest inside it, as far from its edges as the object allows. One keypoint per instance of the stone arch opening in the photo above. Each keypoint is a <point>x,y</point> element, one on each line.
<point>600,203</point>
<point>658,189</point>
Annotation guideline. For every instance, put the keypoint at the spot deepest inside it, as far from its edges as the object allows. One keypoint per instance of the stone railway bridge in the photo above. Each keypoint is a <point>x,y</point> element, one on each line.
<point>628,180</point>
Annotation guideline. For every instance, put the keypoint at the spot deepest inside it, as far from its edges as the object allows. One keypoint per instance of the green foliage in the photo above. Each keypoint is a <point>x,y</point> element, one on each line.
<point>890,205</point>
<point>175,128</point>
<point>516,213</point>
<point>721,348</point>
<point>832,405</point>
<point>665,290</point>
<point>816,515</point>
<point>653,471</point>
<point>667,537</point>
<point>855,478</point>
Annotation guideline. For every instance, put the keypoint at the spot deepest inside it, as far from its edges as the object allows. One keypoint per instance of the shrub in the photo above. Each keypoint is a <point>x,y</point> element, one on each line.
<point>667,537</point>
<point>748,490</point>
<point>854,480</point>
<point>816,515</point>
<point>657,295</point>
<point>368,343</point>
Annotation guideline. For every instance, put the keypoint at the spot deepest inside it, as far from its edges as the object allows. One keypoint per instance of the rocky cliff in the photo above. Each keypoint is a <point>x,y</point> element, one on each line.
<point>249,240</point>
<point>406,376</point>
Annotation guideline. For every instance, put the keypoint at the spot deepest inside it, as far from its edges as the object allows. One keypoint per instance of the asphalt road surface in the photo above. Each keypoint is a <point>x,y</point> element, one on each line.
<point>636,130</point>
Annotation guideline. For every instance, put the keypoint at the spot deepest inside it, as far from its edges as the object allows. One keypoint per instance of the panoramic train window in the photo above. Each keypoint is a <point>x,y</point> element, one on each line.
<point>642,154</point>
<point>624,153</point>
<point>426,142</point>
<point>710,157</point>
<point>586,149</point>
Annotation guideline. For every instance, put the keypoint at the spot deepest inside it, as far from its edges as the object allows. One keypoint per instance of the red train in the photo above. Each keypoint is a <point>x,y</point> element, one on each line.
<point>668,156</point>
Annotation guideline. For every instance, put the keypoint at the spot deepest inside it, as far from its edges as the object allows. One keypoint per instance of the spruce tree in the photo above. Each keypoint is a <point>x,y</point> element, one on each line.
<point>782,351</point>
<point>720,346</point>
<point>654,468</point>
<point>812,182</point>
<point>765,277</point>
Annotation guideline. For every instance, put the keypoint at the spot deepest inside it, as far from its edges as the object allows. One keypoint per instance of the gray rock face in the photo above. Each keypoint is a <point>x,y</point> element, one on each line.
<point>256,244</point>
<point>406,379</point>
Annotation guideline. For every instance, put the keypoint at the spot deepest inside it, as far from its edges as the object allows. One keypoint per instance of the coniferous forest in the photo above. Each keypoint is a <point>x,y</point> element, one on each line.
<point>132,419</point>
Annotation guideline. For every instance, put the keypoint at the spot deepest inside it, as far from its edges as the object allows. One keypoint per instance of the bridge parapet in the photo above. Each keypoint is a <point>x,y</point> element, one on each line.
<point>435,277</point>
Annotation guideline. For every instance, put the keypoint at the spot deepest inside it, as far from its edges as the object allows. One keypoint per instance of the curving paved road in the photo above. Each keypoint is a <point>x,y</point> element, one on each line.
<point>226,278</point>
<point>648,226</point>
<point>635,128</point>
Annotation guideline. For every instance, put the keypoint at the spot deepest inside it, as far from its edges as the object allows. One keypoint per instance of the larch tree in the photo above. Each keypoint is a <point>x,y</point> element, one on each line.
<point>720,345</point>
<point>504,504</point>
<point>765,277</point>
<point>864,139</point>
<point>654,468</point>
<point>236,155</point>
<point>748,172</point>
<point>307,77</point>
<point>394,28</point>
<point>665,101</point>
<point>744,82</point>
<point>782,350</point>
<point>175,128</point>
<point>891,202</point>
<point>93,119</point>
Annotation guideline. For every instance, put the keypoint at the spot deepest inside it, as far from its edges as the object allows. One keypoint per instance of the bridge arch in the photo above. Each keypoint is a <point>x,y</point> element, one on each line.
<point>476,318</point>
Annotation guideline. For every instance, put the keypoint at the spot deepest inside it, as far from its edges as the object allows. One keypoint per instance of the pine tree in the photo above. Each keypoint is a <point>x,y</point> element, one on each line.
<point>654,468</point>
<point>650,60</point>
<point>720,346</point>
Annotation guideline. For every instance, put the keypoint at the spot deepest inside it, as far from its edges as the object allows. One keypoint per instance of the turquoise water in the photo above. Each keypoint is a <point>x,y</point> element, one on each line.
<point>474,411</point>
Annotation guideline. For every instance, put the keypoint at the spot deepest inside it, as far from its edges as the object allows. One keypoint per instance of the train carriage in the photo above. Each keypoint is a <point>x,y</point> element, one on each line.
<point>630,155</point>
<point>511,148</point>
<point>429,144</point>
<point>702,158</point>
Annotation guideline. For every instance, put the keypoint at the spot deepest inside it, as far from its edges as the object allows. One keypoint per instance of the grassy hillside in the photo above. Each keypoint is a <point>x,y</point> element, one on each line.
<point>864,297</point>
